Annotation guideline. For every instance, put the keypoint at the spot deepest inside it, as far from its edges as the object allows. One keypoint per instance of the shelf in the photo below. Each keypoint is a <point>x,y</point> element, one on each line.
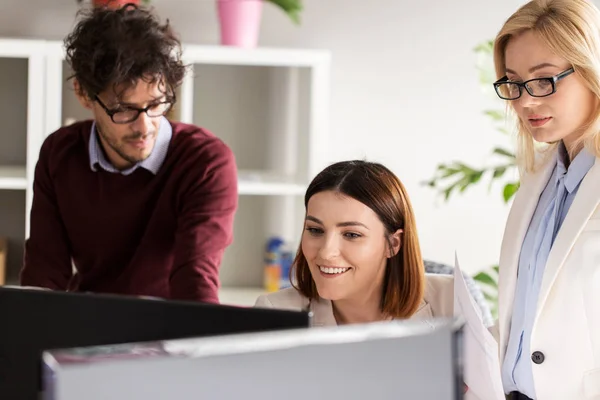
<point>271,188</point>
<point>20,48</point>
<point>13,178</point>
<point>261,56</point>
<point>264,184</point>
<point>240,296</point>
<point>227,55</point>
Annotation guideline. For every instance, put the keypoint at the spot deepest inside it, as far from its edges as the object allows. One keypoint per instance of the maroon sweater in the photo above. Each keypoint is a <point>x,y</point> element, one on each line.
<point>141,234</point>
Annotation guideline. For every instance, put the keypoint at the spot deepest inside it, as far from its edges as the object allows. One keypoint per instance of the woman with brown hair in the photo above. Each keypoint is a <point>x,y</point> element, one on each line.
<point>359,260</point>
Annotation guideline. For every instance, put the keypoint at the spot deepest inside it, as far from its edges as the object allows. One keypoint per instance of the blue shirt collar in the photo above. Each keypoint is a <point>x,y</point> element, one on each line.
<point>578,168</point>
<point>154,161</point>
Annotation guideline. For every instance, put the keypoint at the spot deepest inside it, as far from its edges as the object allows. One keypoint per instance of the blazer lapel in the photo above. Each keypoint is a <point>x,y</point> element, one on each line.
<point>584,205</point>
<point>521,212</point>
<point>322,313</point>
<point>423,312</point>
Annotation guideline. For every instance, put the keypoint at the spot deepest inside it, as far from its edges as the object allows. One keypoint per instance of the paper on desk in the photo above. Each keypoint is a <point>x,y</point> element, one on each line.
<point>481,364</point>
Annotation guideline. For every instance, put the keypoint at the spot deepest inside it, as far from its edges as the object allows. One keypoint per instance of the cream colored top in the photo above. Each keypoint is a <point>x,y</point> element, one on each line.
<point>438,301</point>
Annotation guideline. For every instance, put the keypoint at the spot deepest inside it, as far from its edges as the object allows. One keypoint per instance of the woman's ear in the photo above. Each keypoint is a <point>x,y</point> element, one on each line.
<point>395,242</point>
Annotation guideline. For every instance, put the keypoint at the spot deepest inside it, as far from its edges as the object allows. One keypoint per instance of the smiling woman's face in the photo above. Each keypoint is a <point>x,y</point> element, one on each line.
<point>345,245</point>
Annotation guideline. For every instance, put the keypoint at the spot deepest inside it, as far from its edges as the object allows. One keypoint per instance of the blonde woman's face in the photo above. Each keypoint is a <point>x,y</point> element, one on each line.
<point>345,246</point>
<point>560,116</point>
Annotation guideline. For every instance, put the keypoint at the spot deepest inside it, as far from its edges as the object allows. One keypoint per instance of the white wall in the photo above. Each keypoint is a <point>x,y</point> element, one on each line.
<point>404,92</point>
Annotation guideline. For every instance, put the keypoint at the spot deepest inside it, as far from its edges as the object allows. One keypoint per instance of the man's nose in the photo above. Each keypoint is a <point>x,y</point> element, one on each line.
<point>143,124</point>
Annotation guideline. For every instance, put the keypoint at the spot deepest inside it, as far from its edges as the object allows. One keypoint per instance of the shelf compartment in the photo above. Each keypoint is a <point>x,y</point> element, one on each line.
<point>13,178</point>
<point>267,183</point>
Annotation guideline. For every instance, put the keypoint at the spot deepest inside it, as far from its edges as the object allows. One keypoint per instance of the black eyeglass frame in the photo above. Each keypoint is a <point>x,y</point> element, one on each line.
<point>552,79</point>
<point>111,112</point>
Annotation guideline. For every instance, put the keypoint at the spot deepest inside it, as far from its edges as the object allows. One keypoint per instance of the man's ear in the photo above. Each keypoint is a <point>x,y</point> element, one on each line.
<point>395,242</point>
<point>82,96</point>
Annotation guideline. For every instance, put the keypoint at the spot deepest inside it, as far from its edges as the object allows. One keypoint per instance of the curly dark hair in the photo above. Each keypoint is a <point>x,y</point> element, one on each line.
<point>116,48</point>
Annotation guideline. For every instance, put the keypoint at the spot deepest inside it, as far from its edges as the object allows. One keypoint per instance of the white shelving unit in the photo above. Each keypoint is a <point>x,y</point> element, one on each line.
<point>271,106</point>
<point>22,65</point>
<point>13,178</point>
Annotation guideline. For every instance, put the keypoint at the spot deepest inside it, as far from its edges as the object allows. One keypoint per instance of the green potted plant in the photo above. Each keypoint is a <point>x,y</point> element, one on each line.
<point>456,177</point>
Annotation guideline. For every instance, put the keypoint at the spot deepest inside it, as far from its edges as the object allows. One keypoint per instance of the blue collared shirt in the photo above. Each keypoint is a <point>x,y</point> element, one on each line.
<point>154,161</point>
<point>551,210</point>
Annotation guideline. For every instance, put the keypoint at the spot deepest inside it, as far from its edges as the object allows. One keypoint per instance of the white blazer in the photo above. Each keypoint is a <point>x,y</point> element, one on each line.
<point>567,323</point>
<point>438,301</point>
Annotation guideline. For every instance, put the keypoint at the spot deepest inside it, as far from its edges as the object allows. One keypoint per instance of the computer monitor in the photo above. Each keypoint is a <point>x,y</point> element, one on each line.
<point>36,320</point>
<point>411,359</point>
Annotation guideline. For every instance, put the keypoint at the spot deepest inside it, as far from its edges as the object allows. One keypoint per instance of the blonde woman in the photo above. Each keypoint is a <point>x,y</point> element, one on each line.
<point>547,59</point>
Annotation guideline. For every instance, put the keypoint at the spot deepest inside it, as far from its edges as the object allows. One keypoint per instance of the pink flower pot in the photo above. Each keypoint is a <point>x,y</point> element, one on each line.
<point>240,22</point>
<point>113,4</point>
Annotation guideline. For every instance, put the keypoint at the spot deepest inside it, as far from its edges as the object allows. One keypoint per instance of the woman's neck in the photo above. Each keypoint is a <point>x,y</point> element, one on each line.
<point>358,312</point>
<point>573,146</point>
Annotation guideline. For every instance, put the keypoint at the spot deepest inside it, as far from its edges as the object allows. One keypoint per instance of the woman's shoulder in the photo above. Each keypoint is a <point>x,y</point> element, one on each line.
<point>287,299</point>
<point>439,293</point>
<point>435,283</point>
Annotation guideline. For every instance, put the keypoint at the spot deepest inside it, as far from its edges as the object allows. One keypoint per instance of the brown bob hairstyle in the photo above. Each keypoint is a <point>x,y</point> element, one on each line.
<point>379,189</point>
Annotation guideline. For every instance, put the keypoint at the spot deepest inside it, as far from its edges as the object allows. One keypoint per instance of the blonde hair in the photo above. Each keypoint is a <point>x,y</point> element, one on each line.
<point>571,30</point>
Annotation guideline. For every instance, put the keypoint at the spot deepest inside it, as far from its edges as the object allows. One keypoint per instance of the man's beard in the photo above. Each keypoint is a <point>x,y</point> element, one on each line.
<point>120,151</point>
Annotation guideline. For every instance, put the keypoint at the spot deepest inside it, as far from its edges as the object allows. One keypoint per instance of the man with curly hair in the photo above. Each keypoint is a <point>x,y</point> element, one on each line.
<point>130,202</point>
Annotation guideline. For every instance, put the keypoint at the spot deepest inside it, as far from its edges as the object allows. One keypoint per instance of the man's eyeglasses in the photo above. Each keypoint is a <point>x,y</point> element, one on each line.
<point>538,87</point>
<point>125,115</point>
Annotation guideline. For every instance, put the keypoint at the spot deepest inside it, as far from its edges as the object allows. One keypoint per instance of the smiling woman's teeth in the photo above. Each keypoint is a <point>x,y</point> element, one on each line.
<point>328,270</point>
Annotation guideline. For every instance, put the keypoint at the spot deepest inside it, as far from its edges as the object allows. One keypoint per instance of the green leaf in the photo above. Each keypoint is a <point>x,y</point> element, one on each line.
<point>490,298</point>
<point>495,115</point>
<point>462,167</point>
<point>503,152</point>
<point>431,183</point>
<point>442,167</point>
<point>496,268</point>
<point>509,191</point>
<point>291,7</point>
<point>485,278</point>
<point>448,172</point>
<point>469,180</point>
<point>447,192</point>
<point>498,172</point>
<point>494,310</point>
<point>485,47</point>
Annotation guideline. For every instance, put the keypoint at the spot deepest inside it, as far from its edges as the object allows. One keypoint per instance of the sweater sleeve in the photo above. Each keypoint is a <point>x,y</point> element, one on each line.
<point>47,260</point>
<point>205,226</point>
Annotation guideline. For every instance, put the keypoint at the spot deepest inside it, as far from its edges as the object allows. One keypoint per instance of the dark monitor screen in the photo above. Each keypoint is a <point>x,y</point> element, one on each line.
<point>32,321</point>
